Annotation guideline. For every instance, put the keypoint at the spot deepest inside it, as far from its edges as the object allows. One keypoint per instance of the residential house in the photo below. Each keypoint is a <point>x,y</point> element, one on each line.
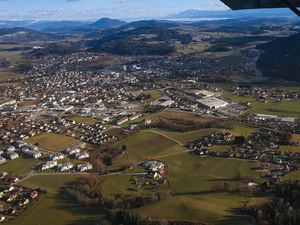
<point>12,154</point>
<point>12,197</point>
<point>65,166</point>
<point>84,167</point>
<point>56,156</point>
<point>33,194</point>
<point>2,160</point>
<point>49,165</point>
<point>82,155</point>
<point>13,179</point>
<point>72,151</point>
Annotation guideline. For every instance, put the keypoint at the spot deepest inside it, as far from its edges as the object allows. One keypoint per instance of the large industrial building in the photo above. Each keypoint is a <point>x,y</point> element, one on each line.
<point>212,103</point>
<point>204,93</point>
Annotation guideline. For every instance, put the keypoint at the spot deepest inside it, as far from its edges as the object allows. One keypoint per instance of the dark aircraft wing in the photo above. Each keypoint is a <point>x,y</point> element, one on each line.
<point>258,4</point>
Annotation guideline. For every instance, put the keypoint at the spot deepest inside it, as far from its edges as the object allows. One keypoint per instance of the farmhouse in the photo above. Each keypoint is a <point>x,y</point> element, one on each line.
<point>146,121</point>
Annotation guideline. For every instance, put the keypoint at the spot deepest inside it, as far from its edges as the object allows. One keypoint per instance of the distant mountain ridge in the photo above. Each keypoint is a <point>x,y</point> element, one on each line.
<point>104,23</point>
<point>134,25</point>
<point>22,35</point>
<point>257,13</point>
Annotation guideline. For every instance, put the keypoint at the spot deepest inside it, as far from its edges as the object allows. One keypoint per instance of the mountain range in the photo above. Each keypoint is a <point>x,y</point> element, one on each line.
<point>104,23</point>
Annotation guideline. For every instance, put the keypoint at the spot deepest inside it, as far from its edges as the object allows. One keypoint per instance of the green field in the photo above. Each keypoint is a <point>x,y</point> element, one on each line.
<point>154,95</point>
<point>54,142</point>
<point>284,108</point>
<point>19,166</point>
<point>57,207</point>
<point>80,119</point>
<point>191,180</point>
<point>149,144</point>
<point>237,98</point>
<point>230,59</point>
<point>28,103</point>
<point>188,137</point>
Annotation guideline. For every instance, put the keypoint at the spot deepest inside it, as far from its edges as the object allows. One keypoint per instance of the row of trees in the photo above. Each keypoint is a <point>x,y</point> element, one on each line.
<point>284,210</point>
<point>183,125</point>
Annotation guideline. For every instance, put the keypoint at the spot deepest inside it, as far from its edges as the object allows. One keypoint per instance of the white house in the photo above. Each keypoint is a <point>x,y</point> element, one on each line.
<point>56,156</point>
<point>82,155</point>
<point>12,154</point>
<point>84,167</point>
<point>65,166</point>
<point>2,160</point>
<point>49,165</point>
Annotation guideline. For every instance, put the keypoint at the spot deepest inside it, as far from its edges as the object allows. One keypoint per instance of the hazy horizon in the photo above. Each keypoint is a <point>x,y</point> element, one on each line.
<point>92,9</point>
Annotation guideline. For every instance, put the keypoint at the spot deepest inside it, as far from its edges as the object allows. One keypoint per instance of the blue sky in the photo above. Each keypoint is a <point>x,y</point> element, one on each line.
<point>96,9</point>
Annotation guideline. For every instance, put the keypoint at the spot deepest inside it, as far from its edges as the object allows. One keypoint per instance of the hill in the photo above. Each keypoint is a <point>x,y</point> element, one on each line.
<point>141,41</point>
<point>104,23</point>
<point>60,48</point>
<point>281,59</point>
<point>132,25</point>
<point>23,35</point>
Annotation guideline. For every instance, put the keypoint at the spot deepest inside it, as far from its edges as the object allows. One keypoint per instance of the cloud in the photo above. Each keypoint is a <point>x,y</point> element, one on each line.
<point>123,1</point>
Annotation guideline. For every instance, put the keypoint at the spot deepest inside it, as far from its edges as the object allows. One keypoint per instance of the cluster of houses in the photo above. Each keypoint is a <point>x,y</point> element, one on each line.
<point>201,146</point>
<point>94,135</point>
<point>154,168</point>
<point>155,171</point>
<point>52,162</point>
<point>14,198</point>
<point>27,149</point>
<point>286,161</point>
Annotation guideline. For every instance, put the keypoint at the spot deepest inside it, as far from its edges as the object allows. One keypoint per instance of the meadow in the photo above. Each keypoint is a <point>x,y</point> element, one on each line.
<point>19,166</point>
<point>57,207</point>
<point>54,142</point>
<point>272,107</point>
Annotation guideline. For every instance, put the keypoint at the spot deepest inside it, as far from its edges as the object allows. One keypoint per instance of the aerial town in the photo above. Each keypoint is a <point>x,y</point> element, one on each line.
<point>184,125</point>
